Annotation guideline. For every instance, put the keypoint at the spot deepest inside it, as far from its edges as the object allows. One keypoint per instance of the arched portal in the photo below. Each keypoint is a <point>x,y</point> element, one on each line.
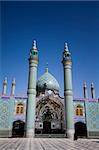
<point>47,120</point>
<point>49,116</point>
<point>18,128</point>
<point>80,129</point>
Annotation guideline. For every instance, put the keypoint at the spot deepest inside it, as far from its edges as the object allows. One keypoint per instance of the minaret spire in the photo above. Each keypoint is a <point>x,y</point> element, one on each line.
<point>5,86</point>
<point>66,47</point>
<point>13,87</point>
<point>34,45</point>
<point>85,90</point>
<point>33,50</point>
<point>66,53</point>
<point>92,90</point>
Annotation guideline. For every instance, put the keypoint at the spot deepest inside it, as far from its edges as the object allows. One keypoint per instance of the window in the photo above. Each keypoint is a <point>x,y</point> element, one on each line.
<point>34,53</point>
<point>53,125</point>
<point>19,108</point>
<point>40,125</point>
<point>79,110</point>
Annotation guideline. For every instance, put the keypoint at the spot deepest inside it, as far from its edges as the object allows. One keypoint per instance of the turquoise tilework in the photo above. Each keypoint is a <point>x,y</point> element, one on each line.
<point>97,116</point>
<point>6,113</point>
<point>92,115</point>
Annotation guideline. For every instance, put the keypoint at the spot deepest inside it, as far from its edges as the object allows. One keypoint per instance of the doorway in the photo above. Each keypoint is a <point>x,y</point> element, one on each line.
<point>80,129</point>
<point>46,127</point>
<point>18,128</point>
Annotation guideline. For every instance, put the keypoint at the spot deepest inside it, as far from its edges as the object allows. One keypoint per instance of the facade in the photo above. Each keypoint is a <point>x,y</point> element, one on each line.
<point>44,112</point>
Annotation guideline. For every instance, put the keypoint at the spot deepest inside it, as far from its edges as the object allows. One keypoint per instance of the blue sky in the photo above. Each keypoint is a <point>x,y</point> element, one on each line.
<point>51,24</point>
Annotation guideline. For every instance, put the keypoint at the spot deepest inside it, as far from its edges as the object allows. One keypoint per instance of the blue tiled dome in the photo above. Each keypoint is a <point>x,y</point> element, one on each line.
<point>48,81</point>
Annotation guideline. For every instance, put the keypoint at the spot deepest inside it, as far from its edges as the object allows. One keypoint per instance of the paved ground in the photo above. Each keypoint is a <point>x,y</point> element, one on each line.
<point>47,144</point>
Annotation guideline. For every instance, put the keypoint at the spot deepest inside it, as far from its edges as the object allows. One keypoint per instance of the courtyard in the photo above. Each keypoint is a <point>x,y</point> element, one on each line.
<point>48,144</point>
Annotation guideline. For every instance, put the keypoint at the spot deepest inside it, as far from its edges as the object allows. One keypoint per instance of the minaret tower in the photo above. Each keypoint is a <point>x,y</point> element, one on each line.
<point>68,95</point>
<point>13,87</point>
<point>31,92</point>
<point>92,90</point>
<point>5,86</point>
<point>85,90</point>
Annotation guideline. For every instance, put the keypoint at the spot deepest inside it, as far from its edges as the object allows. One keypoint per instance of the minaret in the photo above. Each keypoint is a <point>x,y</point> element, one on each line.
<point>31,92</point>
<point>85,90</point>
<point>13,87</point>
<point>5,86</point>
<point>68,95</point>
<point>92,90</point>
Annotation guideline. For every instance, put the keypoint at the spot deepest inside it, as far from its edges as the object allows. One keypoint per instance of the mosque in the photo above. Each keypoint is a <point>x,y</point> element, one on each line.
<point>44,113</point>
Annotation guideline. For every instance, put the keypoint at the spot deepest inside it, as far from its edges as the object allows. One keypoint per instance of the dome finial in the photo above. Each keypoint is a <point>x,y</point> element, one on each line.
<point>34,44</point>
<point>46,70</point>
<point>66,47</point>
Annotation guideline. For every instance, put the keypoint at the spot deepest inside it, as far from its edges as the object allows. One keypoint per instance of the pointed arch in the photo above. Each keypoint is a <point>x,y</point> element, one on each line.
<point>19,108</point>
<point>79,111</point>
<point>18,128</point>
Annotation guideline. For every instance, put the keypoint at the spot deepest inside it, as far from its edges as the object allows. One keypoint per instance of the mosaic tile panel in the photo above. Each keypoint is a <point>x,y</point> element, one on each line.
<point>92,115</point>
<point>6,113</point>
